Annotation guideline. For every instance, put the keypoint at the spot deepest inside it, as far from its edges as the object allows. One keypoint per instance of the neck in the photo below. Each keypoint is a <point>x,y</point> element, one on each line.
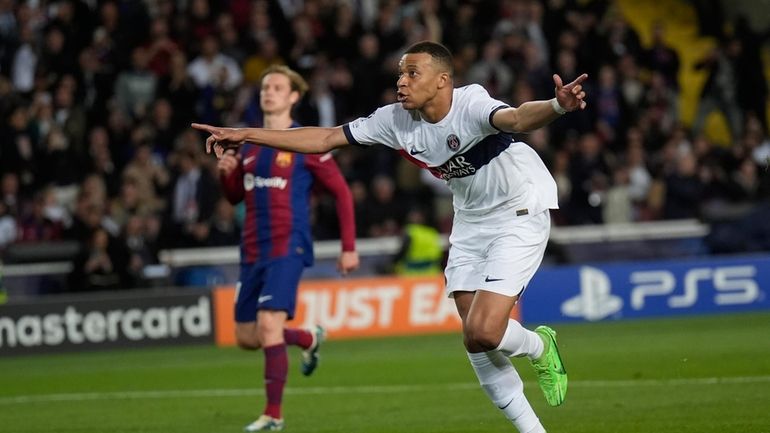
<point>438,107</point>
<point>281,120</point>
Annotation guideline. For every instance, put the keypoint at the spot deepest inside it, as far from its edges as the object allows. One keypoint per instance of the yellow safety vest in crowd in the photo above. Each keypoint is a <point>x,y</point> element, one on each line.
<point>424,254</point>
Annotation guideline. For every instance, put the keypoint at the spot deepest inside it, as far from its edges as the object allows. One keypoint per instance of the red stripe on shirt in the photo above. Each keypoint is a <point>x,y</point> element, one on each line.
<point>419,163</point>
<point>281,211</point>
<point>250,249</point>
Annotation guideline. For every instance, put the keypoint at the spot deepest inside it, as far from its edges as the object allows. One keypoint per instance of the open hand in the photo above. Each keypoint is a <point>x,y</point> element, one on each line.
<point>571,96</point>
<point>221,139</point>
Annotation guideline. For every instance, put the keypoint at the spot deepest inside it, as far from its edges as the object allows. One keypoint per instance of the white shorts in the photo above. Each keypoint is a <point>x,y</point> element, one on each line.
<point>499,254</point>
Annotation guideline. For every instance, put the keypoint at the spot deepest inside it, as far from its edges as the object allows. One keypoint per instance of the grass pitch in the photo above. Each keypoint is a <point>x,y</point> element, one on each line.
<point>704,374</point>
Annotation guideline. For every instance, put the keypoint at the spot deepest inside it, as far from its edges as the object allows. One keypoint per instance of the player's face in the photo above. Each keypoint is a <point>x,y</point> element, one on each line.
<point>418,80</point>
<point>276,95</point>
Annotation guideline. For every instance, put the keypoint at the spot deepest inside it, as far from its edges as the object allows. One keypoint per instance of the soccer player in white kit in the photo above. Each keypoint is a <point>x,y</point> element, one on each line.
<point>502,196</point>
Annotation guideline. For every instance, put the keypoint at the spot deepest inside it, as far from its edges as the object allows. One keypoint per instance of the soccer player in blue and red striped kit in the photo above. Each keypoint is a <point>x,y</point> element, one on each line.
<point>276,242</point>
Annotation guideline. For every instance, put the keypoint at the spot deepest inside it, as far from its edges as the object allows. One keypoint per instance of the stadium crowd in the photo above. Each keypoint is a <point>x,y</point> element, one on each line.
<point>96,98</point>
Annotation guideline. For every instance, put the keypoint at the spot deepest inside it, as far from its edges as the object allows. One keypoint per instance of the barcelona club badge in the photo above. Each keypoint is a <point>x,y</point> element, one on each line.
<point>283,159</point>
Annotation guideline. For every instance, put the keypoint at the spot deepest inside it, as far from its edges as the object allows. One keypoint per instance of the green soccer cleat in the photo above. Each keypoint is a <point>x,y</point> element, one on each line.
<point>551,374</point>
<point>265,423</point>
<point>310,355</point>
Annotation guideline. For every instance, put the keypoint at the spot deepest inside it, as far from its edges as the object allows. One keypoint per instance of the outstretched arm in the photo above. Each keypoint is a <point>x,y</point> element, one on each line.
<point>327,173</point>
<point>536,114</point>
<point>302,140</point>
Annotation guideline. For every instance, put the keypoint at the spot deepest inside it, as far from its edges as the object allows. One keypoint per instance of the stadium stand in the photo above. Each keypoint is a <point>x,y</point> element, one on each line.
<point>96,98</point>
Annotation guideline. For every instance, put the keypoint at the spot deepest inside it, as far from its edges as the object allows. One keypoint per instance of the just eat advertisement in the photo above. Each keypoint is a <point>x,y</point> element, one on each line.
<point>365,307</point>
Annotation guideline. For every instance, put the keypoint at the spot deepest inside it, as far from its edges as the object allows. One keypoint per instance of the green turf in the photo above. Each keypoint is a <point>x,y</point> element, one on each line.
<point>649,376</point>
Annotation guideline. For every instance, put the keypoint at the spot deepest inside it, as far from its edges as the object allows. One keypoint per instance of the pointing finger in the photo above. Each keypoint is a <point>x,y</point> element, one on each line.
<point>203,127</point>
<point>578,80</point>
<point>557,81</point>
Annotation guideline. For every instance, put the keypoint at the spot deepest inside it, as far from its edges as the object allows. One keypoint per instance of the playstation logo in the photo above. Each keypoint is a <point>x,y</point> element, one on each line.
<point>595,301</point>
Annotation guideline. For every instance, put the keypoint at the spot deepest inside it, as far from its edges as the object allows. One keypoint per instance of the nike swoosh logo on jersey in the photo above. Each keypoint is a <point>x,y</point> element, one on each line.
<point>489,280</point>
<point>248,160</point>
<point>414,151</point>
<point>263,299</point>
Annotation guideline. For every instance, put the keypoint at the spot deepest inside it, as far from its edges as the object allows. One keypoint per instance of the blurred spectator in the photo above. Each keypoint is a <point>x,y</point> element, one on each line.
<point>70,115</point>
<point>224,230</point>
<point>45,221</point>
<point>362,215</point>
<point>752,85</point>
<point>24,61</point>
<point>89,214</point>
<point>179,90</point>
<point>135,88</point>
<point>160,49</point>
<point>101,162</point>
<point>608,107</point>
<point>148,175</point>
<point>229,38</point>
<point>99,266</point>
<point>191,200</point>
<point>684,189</point>
<point>368,77</point>
<point>589,176</point>
<point>165,127</point>
<point>464,29</point>
<point>639,177</point>
<point>617,206</point>
<point>7,227</point>
<point>661,58</point>
<point>138,243</point>
<point>662,106</point>
<point>620,39</point>
<point>720,92</point>
<point>420,252</point>
<point>9,193</point>
<point>631,89</point>
<point>132,201</point>
<point>341,40</point>
<point>18,148</point>
<point>212,69</point>
<point>491,72</point>
<point>386,213</point>
<point>58,162</point>
<point>267,54</point>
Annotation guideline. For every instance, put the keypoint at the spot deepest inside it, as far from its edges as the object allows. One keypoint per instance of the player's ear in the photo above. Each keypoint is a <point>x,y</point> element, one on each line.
<point>444,80</point>
<point>294,97</point>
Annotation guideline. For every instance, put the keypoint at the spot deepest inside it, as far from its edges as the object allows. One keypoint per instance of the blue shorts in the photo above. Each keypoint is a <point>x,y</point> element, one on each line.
<point>270,285</point>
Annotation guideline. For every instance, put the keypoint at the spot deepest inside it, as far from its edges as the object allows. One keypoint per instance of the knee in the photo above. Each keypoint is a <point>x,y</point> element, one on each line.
<point>269,332</point>
<point>246,337</point>
<point>481,335</point>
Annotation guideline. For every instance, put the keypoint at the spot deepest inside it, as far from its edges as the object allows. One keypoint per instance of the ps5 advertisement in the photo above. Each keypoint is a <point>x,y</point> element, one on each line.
<point>647,289</point>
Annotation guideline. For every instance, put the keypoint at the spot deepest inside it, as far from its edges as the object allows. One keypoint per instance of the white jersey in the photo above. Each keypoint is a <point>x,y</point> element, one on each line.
<point>484,168</point>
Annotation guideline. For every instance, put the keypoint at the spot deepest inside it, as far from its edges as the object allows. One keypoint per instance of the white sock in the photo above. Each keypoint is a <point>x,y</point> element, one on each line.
<point>519,341</point>
<point>504,387</point>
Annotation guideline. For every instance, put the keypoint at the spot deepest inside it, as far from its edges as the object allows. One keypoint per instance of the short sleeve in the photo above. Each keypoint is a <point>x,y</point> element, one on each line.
<point>377,128</point>
<point>482,107</point>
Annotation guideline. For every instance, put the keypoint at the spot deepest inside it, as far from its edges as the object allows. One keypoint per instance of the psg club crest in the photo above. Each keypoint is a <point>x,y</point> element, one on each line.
<point>283,159</point>
<point>453,142</point>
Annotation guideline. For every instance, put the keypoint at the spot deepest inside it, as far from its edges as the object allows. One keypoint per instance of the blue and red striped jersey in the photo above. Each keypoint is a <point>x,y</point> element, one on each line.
<point>276,187</point>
